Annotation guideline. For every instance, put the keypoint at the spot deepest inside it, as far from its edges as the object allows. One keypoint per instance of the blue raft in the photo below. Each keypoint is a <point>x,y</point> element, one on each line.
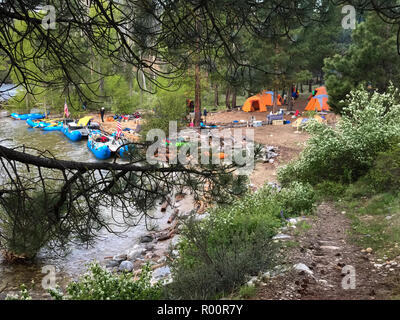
<point>107,146</point>
<point>53,128</point>
<point>37,124</point>
<point>27,116</point>
<point>100,150</point>
<point>74,135</point>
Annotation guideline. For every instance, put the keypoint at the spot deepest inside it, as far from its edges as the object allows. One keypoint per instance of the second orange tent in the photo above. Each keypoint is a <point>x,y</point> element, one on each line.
<point>319,102</point>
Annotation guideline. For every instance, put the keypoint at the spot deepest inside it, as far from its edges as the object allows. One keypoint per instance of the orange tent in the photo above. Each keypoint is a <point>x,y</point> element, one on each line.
<point>260,102</point>
<point>319,102</point>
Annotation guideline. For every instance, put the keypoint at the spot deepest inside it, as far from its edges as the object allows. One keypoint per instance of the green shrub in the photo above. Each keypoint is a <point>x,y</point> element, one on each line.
<point>296,198</point>
<point>210,264</point>
<point>330,190</point>
<point>385,174</point>
<point>217,254</point>
<point>170,106</point>
<point>370,125</point>
<point>100,284</point>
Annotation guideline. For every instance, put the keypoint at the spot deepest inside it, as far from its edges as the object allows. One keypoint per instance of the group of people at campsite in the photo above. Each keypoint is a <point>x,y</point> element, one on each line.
<point>295,94</point>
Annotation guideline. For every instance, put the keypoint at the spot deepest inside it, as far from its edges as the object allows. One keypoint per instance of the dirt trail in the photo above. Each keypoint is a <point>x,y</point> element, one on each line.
<point>325,250</point>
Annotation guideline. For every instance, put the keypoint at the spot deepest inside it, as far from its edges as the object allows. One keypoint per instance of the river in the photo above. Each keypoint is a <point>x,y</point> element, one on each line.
<point>71,266</point>
<point>7,91</point>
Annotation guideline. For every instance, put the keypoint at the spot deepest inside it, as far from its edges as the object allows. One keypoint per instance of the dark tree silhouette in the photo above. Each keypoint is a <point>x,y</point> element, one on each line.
<point>46,201</point>
<point>49,202</point>
<point>159,39</point>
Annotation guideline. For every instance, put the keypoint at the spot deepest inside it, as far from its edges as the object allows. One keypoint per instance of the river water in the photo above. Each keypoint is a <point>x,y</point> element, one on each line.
<point>71,266</point>
<point>7,91</point>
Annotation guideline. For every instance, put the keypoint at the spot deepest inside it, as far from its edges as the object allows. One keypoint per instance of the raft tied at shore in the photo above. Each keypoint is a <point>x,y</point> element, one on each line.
<point>37,124</point>
<point>57,127</point>
<point>103,146</point>
<point>27,116</point>
<point>74,135</point>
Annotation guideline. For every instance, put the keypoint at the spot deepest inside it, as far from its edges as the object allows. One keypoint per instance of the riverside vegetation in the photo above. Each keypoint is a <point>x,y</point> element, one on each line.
<point>359,162</point>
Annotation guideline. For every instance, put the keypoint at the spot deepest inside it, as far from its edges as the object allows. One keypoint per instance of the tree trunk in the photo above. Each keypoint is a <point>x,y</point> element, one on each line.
<point>27,101</point>
<point>310,86</point>
<point>234,99</point>
<point>144,80</point>
<point>130,77</point>
<point>276,80</point>
<point>216,95</point>
<point>197,111</point>
<point>301,87</point>
<point>227,98</point>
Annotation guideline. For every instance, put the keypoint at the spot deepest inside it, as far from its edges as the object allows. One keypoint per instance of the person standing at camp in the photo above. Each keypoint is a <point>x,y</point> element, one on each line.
<point>84,106</point>
<point>294,94</point>
<point>102,112</point>
<point>285,99</point>
<point>205,115</point>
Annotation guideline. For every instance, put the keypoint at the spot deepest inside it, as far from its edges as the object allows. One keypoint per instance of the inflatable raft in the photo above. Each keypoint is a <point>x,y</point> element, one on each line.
<point>104,146</point>
<point>27,116</point>
<point>76,131</point>
<point>100,150</point>
<point>54,127</point>
<point>73,135</point>
<point>37,124</point>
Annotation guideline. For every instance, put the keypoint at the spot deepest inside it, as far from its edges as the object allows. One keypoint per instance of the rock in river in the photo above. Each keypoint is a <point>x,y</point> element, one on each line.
<point>112,264</point>
<point>161,272</point>
<point>135,253</point>
<point>126,266</point>
<point>120,258</point>
<point>147,238</point>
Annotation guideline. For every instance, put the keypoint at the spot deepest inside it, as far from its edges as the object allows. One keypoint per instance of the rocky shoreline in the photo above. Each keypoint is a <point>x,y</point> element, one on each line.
<point>157,246</point>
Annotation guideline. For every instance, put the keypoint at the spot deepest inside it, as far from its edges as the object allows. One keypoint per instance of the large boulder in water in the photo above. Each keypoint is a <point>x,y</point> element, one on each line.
<point>126,266</point>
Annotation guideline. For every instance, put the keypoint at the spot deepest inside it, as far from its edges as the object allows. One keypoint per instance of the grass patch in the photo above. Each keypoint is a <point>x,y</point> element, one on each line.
<point>375,223</point>
<point>247,292</point>
<point>302,227</point>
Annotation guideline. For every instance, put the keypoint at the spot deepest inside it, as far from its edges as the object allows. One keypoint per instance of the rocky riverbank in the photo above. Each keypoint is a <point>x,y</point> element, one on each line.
<point>159,244</point>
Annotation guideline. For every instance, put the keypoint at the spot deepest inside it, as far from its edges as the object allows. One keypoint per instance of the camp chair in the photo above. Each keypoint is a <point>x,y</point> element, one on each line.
<point>299,123</point>
<point>320,119</point>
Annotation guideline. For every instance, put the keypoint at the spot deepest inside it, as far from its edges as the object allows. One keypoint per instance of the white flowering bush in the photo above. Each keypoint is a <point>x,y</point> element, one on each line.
<point>370,124</point>
<point>23,294</point>
<point>100,284</point>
